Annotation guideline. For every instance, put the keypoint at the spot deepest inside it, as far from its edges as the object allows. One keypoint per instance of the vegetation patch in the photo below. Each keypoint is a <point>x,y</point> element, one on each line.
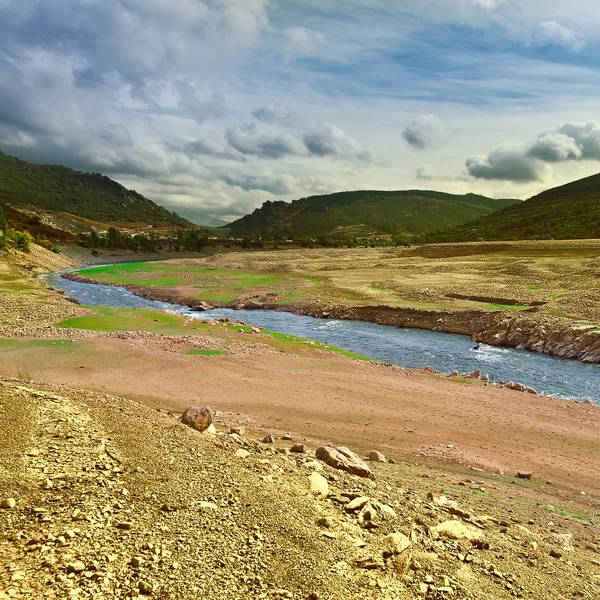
<point>200,352</point>
<point>211,285</point>
<point>19,344</point>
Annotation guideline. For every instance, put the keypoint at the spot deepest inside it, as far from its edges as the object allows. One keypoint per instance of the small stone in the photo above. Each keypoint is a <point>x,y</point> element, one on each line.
<point>146,587</point>
<point>76,567</point>
<point>207,505</point>
<point>318,485</point>
<point>456,530</point>
<point>286,437</point>
<point>69,534</point>
<point>375,456</point>
<point>241,453</point>
<point>356,503</point>
<point>524,474</point>
<point>47,485</point>
<point>395,543</point>
<point>268,439</point>
<point>8,503</point>
<point>326,522</point>
<point>125,525</point>
<point>239,430</point>
<point>298,448</point>
<point>137,561</point>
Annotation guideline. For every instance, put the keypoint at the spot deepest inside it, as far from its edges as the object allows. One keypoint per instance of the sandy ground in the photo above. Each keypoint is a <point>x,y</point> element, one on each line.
<point>336,400</point>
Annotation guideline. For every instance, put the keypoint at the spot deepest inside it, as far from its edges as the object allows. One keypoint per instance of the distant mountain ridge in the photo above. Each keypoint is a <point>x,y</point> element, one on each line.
<point>88,195</point>
<point>365,212</point>
<point>195,216</point>
<point>570,211</point>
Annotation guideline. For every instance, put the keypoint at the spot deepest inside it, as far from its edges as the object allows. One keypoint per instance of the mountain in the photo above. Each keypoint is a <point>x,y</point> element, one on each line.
<point>195,216</point>
<point>571,211</point>
<point>361,213</point>
<point>91,196</point>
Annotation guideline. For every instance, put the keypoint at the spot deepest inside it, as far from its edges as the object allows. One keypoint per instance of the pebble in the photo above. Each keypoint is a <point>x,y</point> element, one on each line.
<point>298,448</point>
<point>268,439</point>
<point>8,503</point>
<point>76,567</point>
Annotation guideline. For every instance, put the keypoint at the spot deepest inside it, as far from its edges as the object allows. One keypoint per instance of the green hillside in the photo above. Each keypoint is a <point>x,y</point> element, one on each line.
<point>89,195</point>
<point>571,211</point>
<point>361,213</point>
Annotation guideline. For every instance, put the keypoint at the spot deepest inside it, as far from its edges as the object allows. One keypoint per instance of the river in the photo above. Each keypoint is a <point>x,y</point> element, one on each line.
<point>415,348</point>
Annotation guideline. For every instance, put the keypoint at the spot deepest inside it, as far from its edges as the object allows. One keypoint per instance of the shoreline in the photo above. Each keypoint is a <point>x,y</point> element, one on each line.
<point>543,335</point>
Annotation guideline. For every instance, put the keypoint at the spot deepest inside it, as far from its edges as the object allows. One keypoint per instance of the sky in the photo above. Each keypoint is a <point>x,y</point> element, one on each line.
<point>221,105</point>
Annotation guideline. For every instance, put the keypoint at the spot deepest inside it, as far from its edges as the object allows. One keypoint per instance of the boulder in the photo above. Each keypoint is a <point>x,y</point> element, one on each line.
<point>298,448</point>
<point>197,417</point>
<point>344,459</point>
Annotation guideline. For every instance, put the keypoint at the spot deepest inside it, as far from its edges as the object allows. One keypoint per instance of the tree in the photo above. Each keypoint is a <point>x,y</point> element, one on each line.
<point>3,222</point>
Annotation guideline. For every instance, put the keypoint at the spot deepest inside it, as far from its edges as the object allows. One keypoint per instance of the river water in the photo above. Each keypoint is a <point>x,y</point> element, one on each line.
<point>415,348</point>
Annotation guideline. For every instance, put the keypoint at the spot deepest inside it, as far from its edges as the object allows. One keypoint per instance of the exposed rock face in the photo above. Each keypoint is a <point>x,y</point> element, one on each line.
<point>545,336</point>
<point>197,417</point>
<point>344,459</point>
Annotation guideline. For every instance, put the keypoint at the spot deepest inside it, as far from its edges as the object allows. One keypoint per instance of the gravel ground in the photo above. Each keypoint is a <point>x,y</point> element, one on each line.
<point>115,500</point>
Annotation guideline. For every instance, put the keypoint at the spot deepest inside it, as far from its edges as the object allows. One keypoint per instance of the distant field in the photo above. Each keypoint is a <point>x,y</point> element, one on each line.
<point>560,278</point>
<point>206,283</point>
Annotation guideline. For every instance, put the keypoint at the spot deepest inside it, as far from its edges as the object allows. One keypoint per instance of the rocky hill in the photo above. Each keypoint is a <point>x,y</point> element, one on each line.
<point>90,196</point>
<point>361,213</point>
<point>571,211</point>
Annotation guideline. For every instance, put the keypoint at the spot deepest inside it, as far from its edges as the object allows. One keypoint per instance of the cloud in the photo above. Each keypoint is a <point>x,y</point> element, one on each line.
<point>329,140</point>
<point>505,164</point>
<point>206,147</point>
<point>423,132</point>
<point>301,42</point>
<point>312,138</point>
<point>277,115</point>
<point>213,107</point>
<point>555,33</point>
<point>266,145</point>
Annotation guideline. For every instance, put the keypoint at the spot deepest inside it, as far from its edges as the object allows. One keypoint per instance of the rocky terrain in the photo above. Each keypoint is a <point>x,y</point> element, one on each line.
<point>105,498</point>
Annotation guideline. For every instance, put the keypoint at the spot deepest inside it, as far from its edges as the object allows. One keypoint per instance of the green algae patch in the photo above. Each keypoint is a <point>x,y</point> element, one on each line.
<point>108,319</point>
<point>18,344</point>
<point>199,352</point>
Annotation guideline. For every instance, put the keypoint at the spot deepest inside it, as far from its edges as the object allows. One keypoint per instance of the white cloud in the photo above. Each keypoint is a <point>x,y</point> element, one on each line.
<point>570,141</point>
<point>300,41</point>
<point>553,32</point>
<point>423,132</point>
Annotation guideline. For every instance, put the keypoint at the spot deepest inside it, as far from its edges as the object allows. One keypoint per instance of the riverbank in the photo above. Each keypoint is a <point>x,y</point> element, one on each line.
<point>536,332</point>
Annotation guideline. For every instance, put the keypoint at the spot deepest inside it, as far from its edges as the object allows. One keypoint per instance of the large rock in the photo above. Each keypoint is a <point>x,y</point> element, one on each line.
<point>344,459</point>
<point>197,417</point>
